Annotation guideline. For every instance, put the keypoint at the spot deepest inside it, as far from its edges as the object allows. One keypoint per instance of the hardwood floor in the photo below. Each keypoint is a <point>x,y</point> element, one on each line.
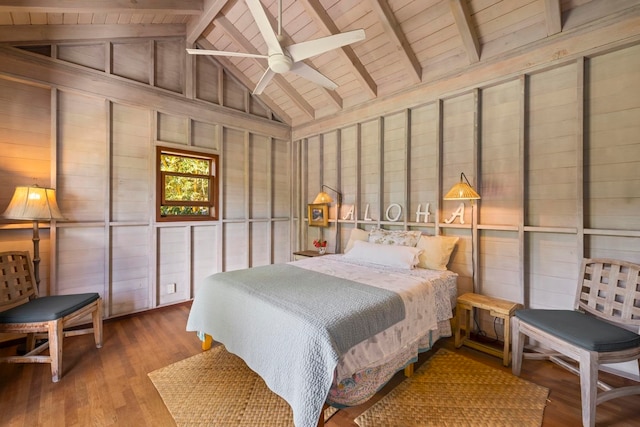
<point>110,387</point>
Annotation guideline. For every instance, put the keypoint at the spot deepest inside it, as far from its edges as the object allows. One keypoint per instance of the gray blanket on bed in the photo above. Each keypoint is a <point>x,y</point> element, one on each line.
<point>290,325</point>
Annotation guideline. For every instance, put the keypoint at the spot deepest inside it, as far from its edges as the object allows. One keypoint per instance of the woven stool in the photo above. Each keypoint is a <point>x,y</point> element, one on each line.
<point>497,308</point>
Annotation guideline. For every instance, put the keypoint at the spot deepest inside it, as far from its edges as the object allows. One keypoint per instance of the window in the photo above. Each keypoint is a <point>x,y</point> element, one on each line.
<point>187,185</point>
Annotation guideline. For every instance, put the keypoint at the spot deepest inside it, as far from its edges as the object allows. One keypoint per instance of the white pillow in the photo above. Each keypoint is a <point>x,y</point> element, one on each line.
<point>389,255</point>
<point>436,251</point>
<point>394,237</point>
<point>356,234</point>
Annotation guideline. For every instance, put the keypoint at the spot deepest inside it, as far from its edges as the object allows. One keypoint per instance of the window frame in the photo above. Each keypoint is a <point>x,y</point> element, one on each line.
<point>212,204</point>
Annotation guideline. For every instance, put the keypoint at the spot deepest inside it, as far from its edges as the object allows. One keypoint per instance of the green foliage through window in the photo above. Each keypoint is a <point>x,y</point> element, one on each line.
<point>187,185</point>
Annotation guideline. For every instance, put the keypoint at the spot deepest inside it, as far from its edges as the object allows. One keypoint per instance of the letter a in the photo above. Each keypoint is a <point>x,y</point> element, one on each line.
<point>458,213</point>
<point>349,215</point>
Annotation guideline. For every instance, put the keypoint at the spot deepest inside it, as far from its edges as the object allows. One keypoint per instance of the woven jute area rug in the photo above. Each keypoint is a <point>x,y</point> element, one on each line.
<point>216,389</point>
<point>452,390</point>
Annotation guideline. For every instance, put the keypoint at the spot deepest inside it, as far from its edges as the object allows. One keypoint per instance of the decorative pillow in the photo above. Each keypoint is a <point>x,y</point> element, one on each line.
<point>436,251</point>
<point>356,234</point>
<point>394,237</point>
<point>388,255</point>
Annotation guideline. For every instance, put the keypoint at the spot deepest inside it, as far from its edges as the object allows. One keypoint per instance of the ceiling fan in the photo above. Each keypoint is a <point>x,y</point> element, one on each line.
<point>282,59</point>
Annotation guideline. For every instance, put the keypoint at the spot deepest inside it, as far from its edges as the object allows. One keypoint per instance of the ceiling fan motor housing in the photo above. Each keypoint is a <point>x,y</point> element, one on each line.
<point>280,63</point>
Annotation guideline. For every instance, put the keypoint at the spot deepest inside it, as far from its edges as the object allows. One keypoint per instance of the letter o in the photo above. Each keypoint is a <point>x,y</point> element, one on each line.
<point>397,217</point>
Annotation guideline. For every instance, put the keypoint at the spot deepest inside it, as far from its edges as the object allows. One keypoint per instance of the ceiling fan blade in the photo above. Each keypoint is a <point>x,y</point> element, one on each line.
<point>304,50</point>
<point>224,53</point>
<point>262,21</point>
<point>303,70</point>
<point>264,81</point>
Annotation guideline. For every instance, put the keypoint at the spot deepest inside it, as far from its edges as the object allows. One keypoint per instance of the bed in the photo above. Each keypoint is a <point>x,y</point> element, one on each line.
<point>328,329</point>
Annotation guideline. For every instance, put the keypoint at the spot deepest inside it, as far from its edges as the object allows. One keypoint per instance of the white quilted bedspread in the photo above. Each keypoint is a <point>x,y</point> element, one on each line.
<point>427,295</point>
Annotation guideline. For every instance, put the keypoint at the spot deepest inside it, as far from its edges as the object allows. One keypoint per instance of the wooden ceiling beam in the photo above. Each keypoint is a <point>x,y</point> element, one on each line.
<point>324,22</point>
<point>394,32</point>
<point>466,29</point>
<point>55,33</point>
<point>168,7</point>
<point>198,24</point>
<point>618,31</point>
<point>553,16</point>
<point>238,38</point>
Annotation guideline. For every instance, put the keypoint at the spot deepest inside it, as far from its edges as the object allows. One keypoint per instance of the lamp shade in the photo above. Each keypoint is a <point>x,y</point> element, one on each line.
<point>462,191</point>
<point>322,197</point>
<point>33,203</point>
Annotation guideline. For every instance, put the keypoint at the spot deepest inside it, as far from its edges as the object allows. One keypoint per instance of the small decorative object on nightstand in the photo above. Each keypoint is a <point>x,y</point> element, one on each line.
<point>497,308</point>
<point>306,254</point>
<point>321,245</point>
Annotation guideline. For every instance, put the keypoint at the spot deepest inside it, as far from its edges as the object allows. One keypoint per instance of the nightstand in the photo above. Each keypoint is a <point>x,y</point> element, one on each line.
<point>305,254</point>
<point>497,308</point>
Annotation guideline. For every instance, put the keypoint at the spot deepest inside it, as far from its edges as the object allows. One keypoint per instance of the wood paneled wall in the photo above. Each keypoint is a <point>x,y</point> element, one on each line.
<point>554,154</point>
<point>97,148</point>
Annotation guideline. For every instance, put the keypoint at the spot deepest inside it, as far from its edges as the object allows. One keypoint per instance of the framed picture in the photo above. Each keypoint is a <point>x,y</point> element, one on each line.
<point>318,215</point>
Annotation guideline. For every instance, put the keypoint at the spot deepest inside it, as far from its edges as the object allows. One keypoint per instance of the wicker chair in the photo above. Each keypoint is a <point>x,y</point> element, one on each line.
<point>22,312</point>
<point>602,329</point>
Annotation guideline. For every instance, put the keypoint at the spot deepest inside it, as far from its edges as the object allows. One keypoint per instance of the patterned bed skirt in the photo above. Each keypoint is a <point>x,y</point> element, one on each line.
<point>362,385</point>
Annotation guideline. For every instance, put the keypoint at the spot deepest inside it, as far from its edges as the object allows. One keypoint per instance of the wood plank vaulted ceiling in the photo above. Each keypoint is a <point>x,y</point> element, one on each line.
<point>408,42</point>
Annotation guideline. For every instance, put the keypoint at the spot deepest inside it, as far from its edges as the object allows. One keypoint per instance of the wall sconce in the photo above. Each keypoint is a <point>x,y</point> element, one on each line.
<point>36,204</point>
<point>324,198</point>
<point>463,191</point>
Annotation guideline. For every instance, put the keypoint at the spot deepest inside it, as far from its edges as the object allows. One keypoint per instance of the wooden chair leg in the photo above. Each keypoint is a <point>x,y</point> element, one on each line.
<point>517,346</point>
<point>588,388</point>
<point>97,323</point>
<point>31,342</point>
<point>506,357</point>
<point>470,322</point>
<point>56,336</point>
<point>462,321</point>
<point>456,327</point>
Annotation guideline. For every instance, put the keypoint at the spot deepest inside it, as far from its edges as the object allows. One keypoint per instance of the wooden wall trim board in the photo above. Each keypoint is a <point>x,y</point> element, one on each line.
<point>33,34</point>
<point>108,147</point>
<point>585,41</point>
<point>52,283</point>
<point>36,68</point>
<point>523,297</point>
<point>580,147</point>
<point>187,7</point>
<point>475,207</point>
<point>439,167</point>
<point>220,241</point>
<point>247,190</point>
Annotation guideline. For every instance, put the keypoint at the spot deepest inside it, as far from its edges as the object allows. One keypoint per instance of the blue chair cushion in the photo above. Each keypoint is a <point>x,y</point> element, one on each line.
<point>580,329</point>
<point>44,309</point>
